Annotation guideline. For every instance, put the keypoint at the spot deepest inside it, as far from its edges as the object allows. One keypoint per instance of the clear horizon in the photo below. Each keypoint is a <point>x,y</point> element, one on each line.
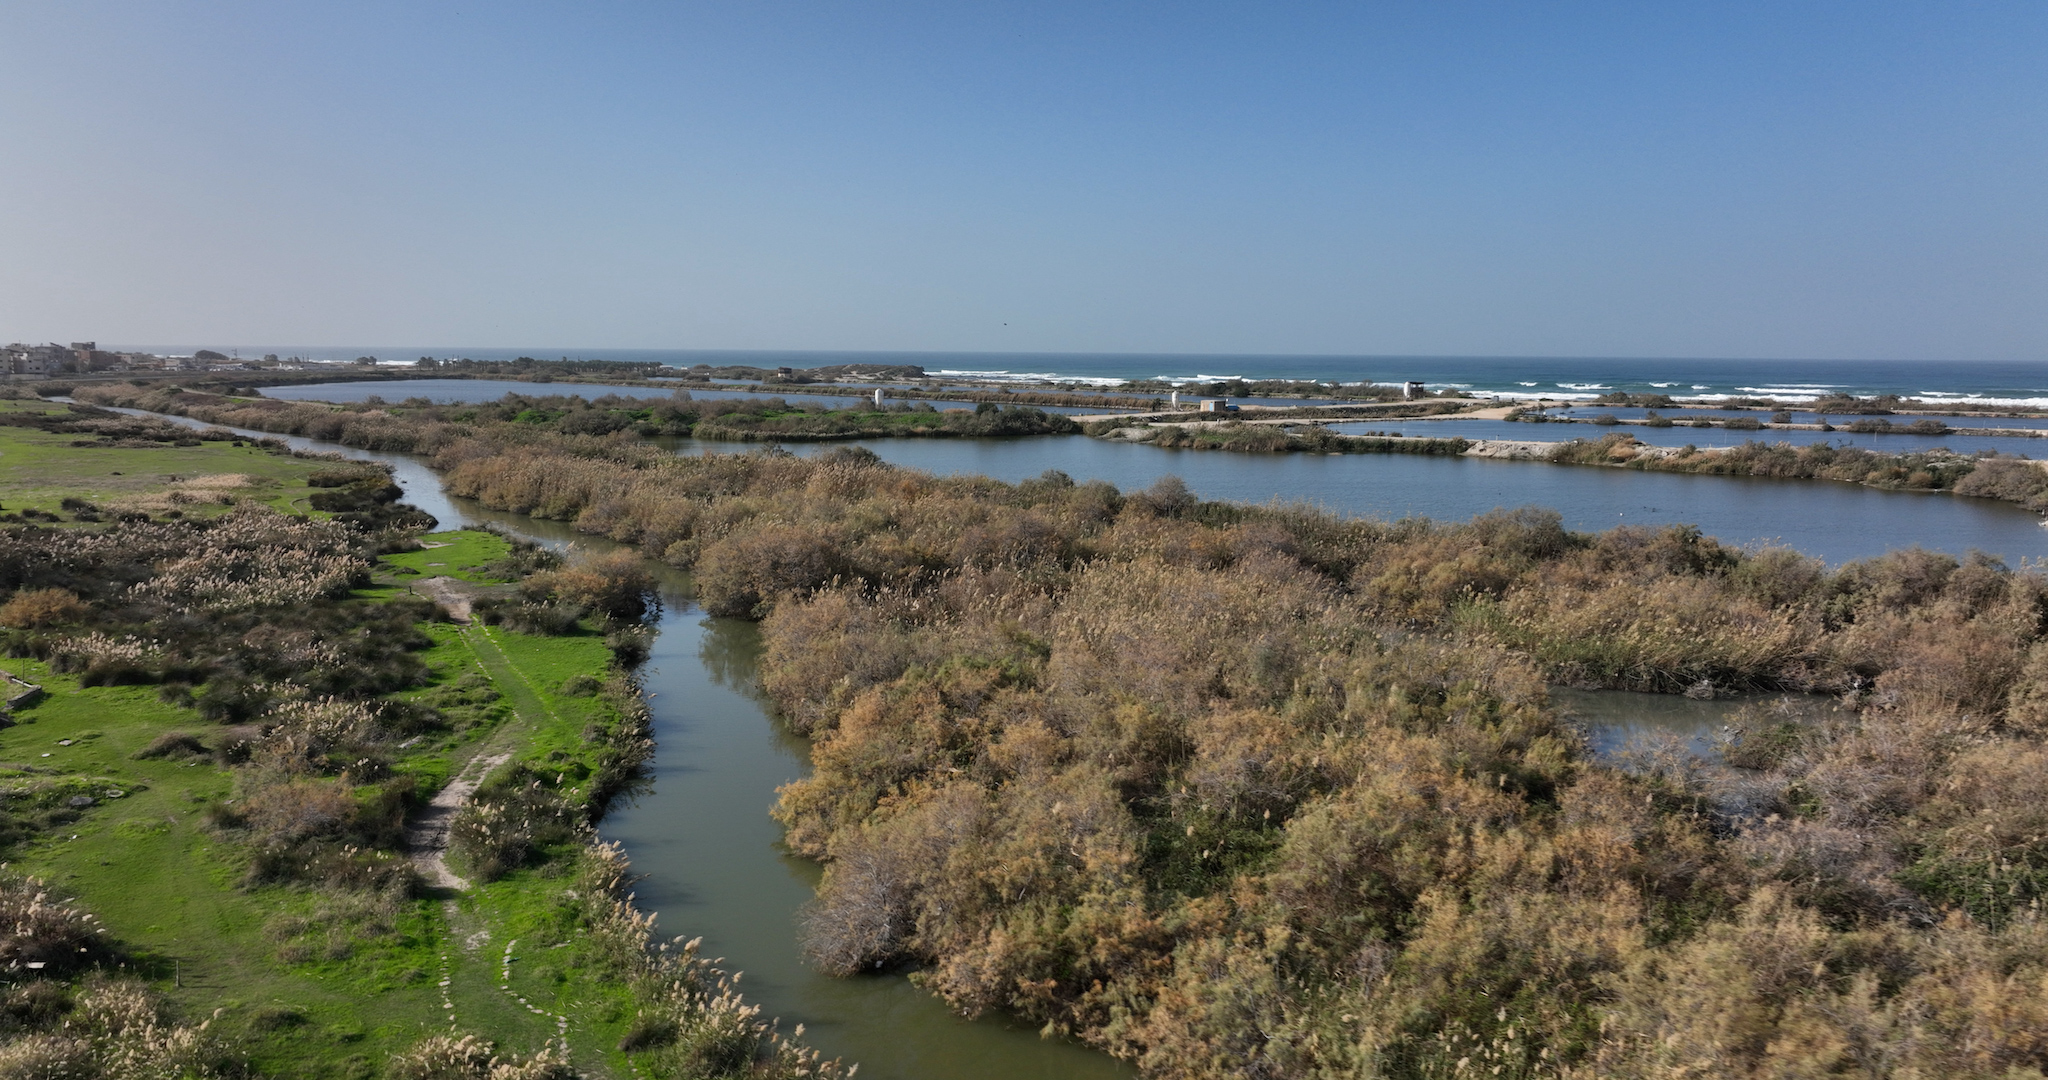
<point>1740,181</point>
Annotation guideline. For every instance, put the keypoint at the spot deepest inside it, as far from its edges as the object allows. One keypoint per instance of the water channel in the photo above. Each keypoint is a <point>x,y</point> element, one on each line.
<point>710,853</point>
<point>712,858</point>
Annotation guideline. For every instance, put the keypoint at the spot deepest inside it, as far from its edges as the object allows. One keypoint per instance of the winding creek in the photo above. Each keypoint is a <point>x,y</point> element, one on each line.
<point>710,854</point>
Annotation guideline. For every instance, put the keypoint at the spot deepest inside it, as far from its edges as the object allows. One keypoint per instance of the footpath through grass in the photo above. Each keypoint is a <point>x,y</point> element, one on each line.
<point>326,982</point>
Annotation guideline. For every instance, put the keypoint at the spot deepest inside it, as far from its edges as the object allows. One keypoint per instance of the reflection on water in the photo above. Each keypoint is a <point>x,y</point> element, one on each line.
<point>1614,718</point>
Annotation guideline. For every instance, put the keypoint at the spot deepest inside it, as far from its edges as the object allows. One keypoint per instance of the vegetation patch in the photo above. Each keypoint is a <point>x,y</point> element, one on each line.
<point>1273,438</point>
<point>239,730</point>
<point>771,423</point>
<point>74,464</point>
<point>1233,790</point>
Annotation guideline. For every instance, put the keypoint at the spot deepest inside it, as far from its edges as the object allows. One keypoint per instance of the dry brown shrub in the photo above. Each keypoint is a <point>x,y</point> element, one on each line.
<point>32,608</point>
<point>822,651</point>
<point>301,809</point>
<point>745,574</point>
<point>614,583</point>
<point>1665,635</point>
<point>445,1057</point>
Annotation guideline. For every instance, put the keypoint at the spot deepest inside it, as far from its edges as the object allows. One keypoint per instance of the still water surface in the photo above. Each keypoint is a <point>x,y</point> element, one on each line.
<point>1834,521</point>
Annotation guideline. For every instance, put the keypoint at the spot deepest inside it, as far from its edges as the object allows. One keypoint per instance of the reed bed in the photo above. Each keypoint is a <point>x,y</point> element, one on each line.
<point>1257,791</point>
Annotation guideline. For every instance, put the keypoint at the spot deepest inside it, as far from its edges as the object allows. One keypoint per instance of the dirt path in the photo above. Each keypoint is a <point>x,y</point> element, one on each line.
<point>426,836</point>
<point>448,592</point>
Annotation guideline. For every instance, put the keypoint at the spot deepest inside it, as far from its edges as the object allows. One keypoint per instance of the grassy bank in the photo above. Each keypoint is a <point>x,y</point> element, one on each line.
<point>121,464</point>
<point>240,715</point>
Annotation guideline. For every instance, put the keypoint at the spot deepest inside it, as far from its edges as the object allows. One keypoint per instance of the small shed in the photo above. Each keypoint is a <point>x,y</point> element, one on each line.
<point>1215,405</point>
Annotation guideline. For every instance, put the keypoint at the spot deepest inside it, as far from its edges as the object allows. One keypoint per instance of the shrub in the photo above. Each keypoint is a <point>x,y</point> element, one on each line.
<point>2011,479</point>
<point>36,928</point>
<point>509,821</point>
<point>173,744</point>
<point>445,1057</point>
<point>116,1031</point>
<point>614,584</point>
<point>32,608</point>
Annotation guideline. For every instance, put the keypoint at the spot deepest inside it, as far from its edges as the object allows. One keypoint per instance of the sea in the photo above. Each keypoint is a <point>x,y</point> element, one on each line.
<point>1556,378</point>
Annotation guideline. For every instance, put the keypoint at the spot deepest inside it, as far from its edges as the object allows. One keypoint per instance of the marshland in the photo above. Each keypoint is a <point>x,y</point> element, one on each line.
<point>218,807</point>
<point>1224,789</point>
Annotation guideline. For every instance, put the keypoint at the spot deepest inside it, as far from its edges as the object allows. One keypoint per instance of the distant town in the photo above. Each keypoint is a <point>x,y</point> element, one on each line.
<point>86,357</point>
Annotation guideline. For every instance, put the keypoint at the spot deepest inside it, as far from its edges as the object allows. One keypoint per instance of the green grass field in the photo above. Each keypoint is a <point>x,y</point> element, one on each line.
<point>464,554</point>
<point>298,977</point>
<point>39,469</point>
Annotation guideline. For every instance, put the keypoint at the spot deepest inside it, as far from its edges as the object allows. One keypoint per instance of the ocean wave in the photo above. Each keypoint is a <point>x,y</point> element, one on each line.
<point>1793,389</point>
<point>1520,395</point>
<point>1947,397</point>
<point>1701,386</point>
<point>1182,380</point>
<point>1027,376</point>
<point>1658,385</point>
<point>1584,386</point>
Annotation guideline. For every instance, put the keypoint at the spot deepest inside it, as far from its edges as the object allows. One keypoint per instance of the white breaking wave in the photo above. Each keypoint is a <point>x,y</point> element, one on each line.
<point>1584,386</point>
<point>1661,385</point>
<point>1945,397</point>
<point>1525,384</point>
<point>1026,376</point>
<point>1520,395</point>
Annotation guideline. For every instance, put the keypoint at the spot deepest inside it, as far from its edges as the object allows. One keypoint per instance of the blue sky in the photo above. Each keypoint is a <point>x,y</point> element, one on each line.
<point>1647,179</point>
